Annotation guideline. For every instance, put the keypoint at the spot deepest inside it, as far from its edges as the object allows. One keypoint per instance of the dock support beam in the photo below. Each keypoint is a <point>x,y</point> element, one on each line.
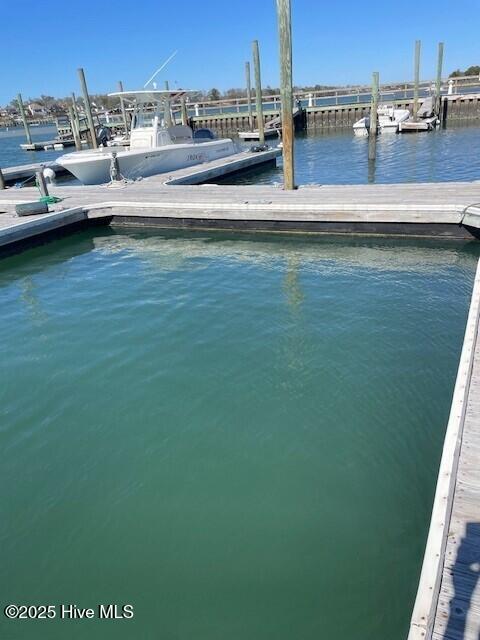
<point>372,134</point>
<point>88,109</point>
<point>416,80</point>
<point>75,129</point>
<point>41,182</point>
<point>184,112</point>
<point>258,92</point>
<point>438,82</point>
<point>24,118</point>
<point>167,114</point>
<point>284,14</point>
<point>122,107</point>
<point>249,95</point>
<point>75,113</point>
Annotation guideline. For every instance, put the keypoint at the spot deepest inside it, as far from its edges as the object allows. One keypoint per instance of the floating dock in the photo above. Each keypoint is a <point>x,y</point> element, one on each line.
<point>423,124</point>
<point>45,145</point>
<point>447,606</point>
<point>20,173</point>
<point>180,200</point>
<point>273,127</point>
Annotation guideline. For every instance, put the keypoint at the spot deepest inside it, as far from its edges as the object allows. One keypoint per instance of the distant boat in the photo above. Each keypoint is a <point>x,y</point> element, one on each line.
<point>388,121</point>
<point>154,148</point>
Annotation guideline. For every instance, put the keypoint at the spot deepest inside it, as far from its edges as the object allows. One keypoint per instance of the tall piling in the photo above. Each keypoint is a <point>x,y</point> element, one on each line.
<point>184,111</point>
<point>167,113</point>
<point>416,80</point>
<point>2,181</point>
<point>438,82</point>
<point>88,108</point>
<point>258,92</point>
<point>249,95</point>
<point>284,15</point>
<point>75,110</point>
<point>122,107</point>
<point>372,134</point>
<point>74,128</point>
<point>24,118</point>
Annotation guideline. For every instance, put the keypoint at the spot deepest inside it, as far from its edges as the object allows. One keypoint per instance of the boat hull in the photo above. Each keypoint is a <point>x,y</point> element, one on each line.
<point>93,167</point>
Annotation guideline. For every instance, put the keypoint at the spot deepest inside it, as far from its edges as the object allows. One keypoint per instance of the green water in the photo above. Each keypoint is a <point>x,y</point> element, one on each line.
<point>237,435</point>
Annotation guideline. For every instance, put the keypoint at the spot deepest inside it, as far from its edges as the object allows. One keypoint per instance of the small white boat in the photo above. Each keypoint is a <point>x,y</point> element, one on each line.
<point>389,119</point>
<point>154,148</point>
<point>362,127</point>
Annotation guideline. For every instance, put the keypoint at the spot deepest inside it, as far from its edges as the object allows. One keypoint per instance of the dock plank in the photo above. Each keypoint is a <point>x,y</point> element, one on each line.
<point>447,606</point>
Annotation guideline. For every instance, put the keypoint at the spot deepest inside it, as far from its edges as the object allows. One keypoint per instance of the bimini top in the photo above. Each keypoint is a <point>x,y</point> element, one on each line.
<point>149,95</point>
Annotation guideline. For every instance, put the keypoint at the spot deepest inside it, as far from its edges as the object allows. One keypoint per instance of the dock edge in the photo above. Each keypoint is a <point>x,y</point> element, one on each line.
<point>424,610</point>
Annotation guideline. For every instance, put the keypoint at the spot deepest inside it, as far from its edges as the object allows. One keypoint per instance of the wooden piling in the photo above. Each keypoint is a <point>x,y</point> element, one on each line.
<point>2,181</point>
<point>88,109</point>
<point>41,182</point>
<point>438,83</point>
<point>258,92</point>
<point>416,81</point>
<point>249,95</point>
<point>122,107</point>
<point>372,134</point>
<point>284,14</point>
<point>74,128</point>
<point>24,118</point>
<point>167,114</point>
<point>75,113</point>
<point>184,111</point>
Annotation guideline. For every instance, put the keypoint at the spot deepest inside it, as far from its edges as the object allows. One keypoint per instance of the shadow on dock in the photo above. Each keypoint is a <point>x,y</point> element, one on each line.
<point>465,579</point>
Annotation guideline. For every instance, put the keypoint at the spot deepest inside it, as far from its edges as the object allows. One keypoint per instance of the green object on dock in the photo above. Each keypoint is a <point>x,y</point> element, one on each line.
<point>50,199</point>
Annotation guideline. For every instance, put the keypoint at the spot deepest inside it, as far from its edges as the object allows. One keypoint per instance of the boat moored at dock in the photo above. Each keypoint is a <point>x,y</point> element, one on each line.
<point>389,119</point>
<point>154,147</point>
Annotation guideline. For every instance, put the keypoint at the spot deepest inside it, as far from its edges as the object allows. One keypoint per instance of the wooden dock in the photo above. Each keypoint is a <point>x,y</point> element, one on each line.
<point>423,124</point>
<point>447,210</point>
<point>45,145</point>
<point>457,107</point>
<point>447,606</point>
<point>273,127</point>
<point>20,173</point>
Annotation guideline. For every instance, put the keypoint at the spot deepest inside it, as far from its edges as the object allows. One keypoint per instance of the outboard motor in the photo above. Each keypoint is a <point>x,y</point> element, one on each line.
<point>103,135</point>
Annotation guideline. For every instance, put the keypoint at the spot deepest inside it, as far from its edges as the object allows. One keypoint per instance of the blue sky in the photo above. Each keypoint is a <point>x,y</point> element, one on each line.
<point>341,42</point>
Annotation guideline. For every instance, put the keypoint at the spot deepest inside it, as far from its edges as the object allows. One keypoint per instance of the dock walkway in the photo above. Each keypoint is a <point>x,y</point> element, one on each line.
<point>446,210</point>
<point>447,606</point>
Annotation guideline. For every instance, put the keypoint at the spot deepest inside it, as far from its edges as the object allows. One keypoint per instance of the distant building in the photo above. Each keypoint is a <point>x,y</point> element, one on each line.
<point>35,109</point>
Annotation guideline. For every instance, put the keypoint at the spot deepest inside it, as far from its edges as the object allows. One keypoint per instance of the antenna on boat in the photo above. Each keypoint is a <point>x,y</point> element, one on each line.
<point>160,68</point>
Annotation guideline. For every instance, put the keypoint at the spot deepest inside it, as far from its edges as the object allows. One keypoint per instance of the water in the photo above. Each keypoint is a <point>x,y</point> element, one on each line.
<point>237,435</point>
<point>10,141</point>
<point>338,157</point>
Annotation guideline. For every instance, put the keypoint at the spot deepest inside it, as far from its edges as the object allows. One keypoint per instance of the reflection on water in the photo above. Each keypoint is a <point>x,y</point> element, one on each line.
<point>174,250</point>
<point>238,434</point>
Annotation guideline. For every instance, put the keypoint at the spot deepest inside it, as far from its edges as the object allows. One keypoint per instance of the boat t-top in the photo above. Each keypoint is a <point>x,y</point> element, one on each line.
<point>154,146</point>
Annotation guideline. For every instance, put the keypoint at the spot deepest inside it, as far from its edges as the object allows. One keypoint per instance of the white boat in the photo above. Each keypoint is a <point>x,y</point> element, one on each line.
<point>154,147</point>
<point>389,119</point>
<point>362,127</point>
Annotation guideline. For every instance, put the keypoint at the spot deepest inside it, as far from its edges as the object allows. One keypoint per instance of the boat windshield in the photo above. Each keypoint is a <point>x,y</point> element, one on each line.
<point>143,118</point>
